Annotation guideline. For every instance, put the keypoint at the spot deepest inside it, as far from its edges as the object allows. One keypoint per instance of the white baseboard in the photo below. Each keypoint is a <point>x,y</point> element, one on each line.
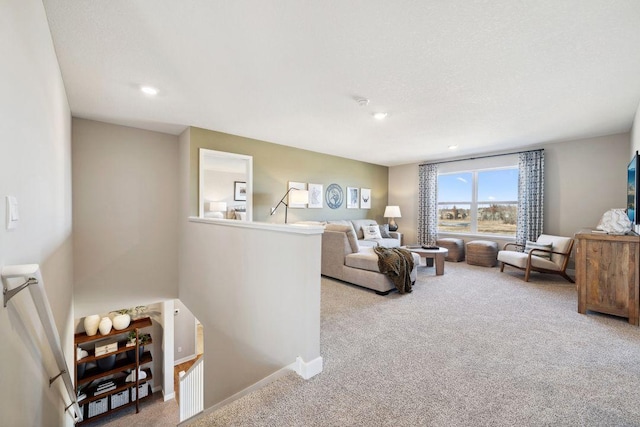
<point>168,396</point>
<point>308,369</point>
<point>305,370</point>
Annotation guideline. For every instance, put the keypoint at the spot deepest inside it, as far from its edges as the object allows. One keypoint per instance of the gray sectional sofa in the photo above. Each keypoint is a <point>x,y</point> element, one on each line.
<point>393,240</point>
<point>347,258</point>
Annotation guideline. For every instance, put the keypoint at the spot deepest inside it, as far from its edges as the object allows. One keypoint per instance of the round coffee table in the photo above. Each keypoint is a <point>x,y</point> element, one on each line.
<point>435,254</point>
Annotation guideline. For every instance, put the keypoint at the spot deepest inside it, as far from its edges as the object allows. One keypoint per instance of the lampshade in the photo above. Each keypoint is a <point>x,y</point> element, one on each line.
<point>300,197</point>
<point>217,206</point>
<point>392,212</point>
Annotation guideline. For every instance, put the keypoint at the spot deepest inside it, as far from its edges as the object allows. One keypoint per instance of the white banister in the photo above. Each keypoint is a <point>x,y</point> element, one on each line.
<point>192,390</point>
<point>32,278</point>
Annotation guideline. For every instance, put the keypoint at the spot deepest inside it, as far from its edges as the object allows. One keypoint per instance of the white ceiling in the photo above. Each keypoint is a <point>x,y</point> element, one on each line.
<point>485,75</point>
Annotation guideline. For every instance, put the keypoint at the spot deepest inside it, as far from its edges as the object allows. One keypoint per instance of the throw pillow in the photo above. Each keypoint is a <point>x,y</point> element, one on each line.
<point>384,231</point>
<point>371,232</point>
<point>535,245</point>
<point>359,223</point>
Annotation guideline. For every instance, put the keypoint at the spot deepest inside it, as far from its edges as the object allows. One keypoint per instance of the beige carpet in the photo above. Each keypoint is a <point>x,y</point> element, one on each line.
<point>471,347</point>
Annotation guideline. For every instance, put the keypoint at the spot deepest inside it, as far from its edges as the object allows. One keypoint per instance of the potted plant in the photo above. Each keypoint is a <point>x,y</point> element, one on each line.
<point>141,311</point>
<point>143,338</point>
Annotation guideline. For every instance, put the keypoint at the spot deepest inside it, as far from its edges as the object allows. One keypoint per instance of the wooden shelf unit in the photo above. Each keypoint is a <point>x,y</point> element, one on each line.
<point>607,274</point>
<point>119,371</point>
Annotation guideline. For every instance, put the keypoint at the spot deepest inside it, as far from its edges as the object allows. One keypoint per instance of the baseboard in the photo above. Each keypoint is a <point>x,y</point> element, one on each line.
<point>168,396</point>
<point>305,370</point>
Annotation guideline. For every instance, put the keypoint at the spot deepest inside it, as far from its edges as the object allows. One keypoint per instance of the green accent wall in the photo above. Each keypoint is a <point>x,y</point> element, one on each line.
<point>275,165</point>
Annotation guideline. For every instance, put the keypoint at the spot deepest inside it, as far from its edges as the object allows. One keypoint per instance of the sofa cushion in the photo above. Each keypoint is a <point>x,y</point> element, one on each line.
<point>387,243</point>
<point>365,259</point>
<point>384,231</point>
<point>560,244</point>
<point>519,259</point>
<point>348,229</point>
<point>343,222</point>
<point>371,232</point>
<point>359,223</point>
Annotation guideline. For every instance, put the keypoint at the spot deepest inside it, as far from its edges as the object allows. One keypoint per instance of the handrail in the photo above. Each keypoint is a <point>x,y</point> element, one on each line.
<point>33,280</point>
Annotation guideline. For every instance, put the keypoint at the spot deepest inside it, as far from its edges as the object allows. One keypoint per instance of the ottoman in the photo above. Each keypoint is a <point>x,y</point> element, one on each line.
<point>455,247</point>
<point>483,253</point>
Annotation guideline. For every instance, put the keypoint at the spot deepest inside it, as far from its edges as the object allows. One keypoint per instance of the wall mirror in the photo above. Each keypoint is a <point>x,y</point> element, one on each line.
<point>225,185</point>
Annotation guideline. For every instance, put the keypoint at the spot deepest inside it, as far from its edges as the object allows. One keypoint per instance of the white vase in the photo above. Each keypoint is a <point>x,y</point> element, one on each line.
<point>121,321</point>
<point>91,324</point>
<point>105,325</point>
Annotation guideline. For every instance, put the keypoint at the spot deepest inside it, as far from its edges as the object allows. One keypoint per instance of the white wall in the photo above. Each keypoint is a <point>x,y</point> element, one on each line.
<point>583,179</point>
<point>125,209</point>
<point>635,132</point>
<point>35,167</point>
<point>260,308</point>
<point>184,343</point>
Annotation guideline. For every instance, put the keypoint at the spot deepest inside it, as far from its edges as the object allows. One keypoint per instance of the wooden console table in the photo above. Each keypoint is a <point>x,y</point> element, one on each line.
<point>607,273</point>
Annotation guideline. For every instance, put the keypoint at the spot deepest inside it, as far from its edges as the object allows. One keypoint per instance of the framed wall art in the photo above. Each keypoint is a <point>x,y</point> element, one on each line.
<point>315,196</point>
<point>239,190</point>
<point>353,198</point>
<point>334,196</point>
<point>365,198</point>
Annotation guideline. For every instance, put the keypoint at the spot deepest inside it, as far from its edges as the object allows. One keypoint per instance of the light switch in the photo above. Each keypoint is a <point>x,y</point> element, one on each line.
<point>12,213</point>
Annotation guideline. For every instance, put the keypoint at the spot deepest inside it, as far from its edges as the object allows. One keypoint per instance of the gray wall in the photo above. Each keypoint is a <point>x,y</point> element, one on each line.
<point>35,167</point>
<point>125,198</point>
<point>260,307</point>
<point>583,179</point>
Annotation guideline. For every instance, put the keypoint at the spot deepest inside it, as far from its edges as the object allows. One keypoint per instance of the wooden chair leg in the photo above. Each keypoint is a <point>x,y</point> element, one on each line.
<point>566,276</point>
<point>501,267</point>
<point>526,273</point>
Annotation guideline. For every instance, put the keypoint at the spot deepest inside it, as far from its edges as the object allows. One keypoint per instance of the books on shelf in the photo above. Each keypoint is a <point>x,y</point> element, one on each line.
<point>104,387</point>
<point>97,392</point>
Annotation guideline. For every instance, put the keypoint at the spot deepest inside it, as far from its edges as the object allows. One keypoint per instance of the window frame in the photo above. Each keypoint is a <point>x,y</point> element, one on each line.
<point>474,203</point>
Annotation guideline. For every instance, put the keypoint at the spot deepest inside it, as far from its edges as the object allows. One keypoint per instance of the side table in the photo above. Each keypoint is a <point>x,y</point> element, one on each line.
<point>437,255</point>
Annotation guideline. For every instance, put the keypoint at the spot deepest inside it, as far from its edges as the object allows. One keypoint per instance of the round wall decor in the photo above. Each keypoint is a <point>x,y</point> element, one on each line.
<point>334,196</point>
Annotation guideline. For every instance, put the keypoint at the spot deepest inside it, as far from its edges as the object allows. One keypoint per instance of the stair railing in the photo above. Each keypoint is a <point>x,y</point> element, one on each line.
<point>33,280</point>
<point>192,390</point>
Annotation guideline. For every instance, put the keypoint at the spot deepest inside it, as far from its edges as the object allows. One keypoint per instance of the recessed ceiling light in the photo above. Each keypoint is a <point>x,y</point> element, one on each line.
<point>380,116</point>
<point>363,102</point>
<point>453,147</point>
<point>149,90</point>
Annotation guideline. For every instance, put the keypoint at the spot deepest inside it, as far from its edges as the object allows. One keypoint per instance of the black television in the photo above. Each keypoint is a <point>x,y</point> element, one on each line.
<point>632,185</point>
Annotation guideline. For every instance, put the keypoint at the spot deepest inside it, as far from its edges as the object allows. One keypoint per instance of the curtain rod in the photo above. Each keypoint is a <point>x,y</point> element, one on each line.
<point>479,157</point>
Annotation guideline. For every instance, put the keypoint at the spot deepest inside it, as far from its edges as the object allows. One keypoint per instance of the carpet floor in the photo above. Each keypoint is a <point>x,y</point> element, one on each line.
<point>471,347</point>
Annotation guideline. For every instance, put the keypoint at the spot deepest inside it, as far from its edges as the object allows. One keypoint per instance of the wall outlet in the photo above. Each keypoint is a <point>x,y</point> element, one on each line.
<point>179,349</point>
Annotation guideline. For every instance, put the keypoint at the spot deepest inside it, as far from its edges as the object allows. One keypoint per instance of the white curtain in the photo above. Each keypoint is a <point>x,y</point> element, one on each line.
<point>530,196</point>
<point>428,204</point>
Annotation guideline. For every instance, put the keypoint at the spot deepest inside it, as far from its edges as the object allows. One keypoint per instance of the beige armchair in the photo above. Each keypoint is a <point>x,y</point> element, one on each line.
<point>549,254</point>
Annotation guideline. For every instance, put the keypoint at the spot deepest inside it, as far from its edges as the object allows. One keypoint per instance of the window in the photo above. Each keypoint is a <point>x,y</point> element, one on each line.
<point>478,202</point>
